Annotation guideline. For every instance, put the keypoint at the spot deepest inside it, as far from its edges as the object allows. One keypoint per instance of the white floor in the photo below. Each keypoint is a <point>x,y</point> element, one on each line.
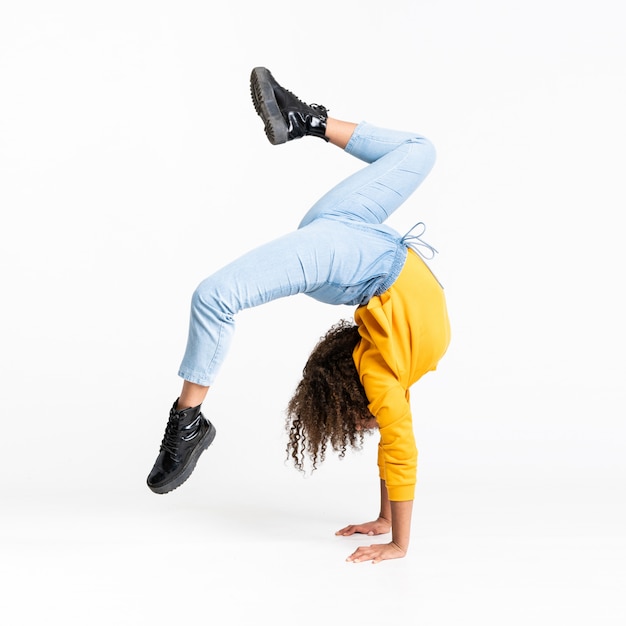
<point>478,556</point>
<point>519,518</point>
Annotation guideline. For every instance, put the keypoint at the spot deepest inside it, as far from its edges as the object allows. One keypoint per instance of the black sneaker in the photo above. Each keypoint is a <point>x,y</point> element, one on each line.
<point>285,116</point>
<point>187,435</point>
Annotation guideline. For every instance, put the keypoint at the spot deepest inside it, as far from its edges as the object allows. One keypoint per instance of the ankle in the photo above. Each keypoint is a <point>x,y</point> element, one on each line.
<point>181,406</point>
<point>339,132</point>
<point>191,395</point>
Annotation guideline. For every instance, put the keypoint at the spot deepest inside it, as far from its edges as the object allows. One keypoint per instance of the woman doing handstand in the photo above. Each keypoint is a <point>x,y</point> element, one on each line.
<point>358,376</point>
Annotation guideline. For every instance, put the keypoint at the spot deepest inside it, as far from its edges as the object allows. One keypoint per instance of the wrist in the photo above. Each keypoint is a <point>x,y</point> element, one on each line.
<point>400,548</point>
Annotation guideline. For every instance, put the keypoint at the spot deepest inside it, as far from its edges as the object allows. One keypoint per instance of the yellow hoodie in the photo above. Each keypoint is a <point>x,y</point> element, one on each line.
<point>404,333</point>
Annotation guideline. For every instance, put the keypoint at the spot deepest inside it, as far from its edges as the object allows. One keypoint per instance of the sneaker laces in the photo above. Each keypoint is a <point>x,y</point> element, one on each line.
<point>171,438</point>
<point>320,109</point>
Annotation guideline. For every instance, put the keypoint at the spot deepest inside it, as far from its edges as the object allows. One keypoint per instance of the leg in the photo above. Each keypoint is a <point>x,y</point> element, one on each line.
<point>306,260</point>
<point>399,161</point>
<point>251,280</point>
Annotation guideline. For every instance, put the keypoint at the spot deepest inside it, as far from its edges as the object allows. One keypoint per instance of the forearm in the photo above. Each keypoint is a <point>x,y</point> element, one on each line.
<point>385,505</point>
<point>401,512</point>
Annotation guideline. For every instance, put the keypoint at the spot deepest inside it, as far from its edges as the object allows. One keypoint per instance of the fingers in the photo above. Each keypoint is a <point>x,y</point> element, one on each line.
<point>376,553</point>
<point>351,529</point>
<point>364,529</point>
<point>366,553</point>
<point>369,528</point>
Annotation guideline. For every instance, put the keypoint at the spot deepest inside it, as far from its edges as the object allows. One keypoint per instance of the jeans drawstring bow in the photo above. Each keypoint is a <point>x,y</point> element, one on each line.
<point>415,242</point>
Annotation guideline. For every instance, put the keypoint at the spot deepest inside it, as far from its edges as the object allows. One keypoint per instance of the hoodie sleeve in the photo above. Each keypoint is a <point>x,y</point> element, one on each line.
<point>380,367</point>
<point>397,452</point>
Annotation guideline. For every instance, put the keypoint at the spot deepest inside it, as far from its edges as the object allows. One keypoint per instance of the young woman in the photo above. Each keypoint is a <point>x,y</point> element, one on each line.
<point>358,376</point>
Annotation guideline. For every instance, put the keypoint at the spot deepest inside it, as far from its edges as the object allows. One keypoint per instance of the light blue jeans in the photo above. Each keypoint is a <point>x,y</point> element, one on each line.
<point>341,253</point>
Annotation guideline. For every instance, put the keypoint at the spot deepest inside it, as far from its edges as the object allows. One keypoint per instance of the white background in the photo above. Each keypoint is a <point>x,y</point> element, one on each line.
<point>132,165</point>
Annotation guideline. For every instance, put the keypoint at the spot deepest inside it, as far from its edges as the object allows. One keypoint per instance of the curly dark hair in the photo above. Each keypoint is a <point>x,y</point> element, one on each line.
<point>329,405</point>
